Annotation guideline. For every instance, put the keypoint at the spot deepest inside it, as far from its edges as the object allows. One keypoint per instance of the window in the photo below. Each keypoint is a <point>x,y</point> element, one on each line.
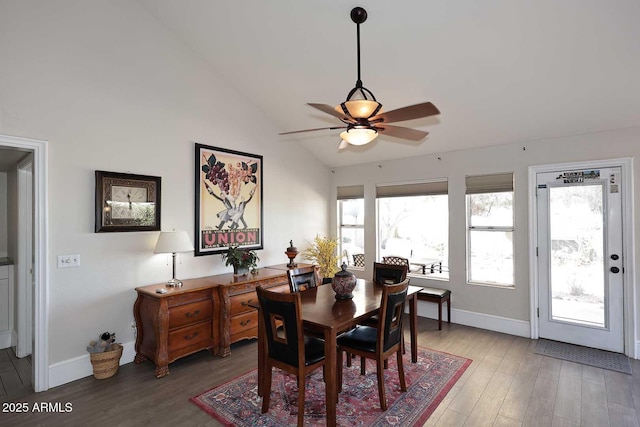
<point>351,225</point>
<point>490,229</point>
<point>413,223</point>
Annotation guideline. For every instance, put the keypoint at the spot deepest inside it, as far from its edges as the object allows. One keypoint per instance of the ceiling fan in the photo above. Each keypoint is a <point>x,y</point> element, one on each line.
<point>361,114</point>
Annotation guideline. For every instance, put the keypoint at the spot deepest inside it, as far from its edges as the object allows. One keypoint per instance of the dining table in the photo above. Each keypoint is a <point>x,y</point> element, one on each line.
<point>323,314</point>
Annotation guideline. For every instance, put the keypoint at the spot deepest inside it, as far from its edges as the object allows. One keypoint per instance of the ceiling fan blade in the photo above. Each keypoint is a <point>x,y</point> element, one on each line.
<point>401,132</point>
<point>312,130</point>
<point>417,111</point>
<point>330,110</point>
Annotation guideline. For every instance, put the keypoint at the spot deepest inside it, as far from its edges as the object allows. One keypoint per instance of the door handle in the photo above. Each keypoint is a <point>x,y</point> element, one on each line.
<point>614,270</point>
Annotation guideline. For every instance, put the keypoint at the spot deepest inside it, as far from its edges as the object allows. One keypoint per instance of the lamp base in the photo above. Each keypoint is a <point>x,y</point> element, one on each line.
<point>174,283</point>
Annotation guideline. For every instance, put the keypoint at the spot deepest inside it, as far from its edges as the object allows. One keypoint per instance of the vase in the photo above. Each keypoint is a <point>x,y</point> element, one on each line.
<point>343,283</point>
<point>239,270</point>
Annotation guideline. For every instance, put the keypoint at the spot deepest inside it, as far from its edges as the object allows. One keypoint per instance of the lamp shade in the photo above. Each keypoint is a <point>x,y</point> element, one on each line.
<point>359,108</point>
<point>359,136</point>
<point>172,242</point>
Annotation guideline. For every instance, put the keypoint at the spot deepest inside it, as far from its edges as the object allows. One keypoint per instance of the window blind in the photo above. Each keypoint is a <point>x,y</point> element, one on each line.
<point>495,183</point>
<point>351,192</point>
<point>415,189</point>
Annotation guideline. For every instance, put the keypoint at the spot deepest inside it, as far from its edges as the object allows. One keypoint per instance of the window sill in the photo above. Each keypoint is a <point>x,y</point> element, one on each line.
<point>427,277</point>
<point>492,285</point>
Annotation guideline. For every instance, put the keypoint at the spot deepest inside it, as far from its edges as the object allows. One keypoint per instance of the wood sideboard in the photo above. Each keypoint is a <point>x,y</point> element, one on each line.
<point>205,313</point>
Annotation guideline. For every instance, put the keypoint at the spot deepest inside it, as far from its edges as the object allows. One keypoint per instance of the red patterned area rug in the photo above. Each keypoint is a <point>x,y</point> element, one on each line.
<point>237,403</point>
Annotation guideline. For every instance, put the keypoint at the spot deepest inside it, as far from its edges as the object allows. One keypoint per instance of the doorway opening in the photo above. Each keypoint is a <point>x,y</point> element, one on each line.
<point>38,309</point>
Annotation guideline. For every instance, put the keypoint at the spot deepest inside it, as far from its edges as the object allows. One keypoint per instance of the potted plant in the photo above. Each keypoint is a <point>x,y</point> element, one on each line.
<point>323,252</point>
<point>242,260</point>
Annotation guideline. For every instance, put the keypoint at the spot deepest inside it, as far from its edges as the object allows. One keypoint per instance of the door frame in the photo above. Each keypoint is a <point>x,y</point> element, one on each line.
<point>628,247</point>
<point>24,301</point>
<point>40,357</point>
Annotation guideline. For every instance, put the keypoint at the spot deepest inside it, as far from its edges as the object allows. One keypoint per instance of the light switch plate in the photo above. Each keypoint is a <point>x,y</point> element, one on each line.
<point>68,261</point>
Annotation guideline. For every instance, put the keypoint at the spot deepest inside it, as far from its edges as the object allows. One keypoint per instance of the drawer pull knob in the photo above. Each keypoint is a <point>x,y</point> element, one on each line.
<point>246,303</point>
<point>194,314</point>
<point>245,322</point>
<point>190,337</point>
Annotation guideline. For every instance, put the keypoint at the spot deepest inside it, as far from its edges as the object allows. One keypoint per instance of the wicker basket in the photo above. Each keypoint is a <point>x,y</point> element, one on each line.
<point>105,365</point>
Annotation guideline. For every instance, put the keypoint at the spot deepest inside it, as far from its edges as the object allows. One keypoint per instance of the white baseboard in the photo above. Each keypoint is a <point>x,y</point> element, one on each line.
<point>80,367</point>
<point>505,325</point>
<point>5,339</point>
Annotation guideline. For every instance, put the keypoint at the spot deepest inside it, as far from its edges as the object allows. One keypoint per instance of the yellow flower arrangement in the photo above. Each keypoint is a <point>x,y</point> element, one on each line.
<point>323,252</point>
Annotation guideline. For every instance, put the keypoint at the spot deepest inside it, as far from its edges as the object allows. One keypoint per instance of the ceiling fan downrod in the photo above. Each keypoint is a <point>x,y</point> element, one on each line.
<point>359,16</point>
<point>368,106</point>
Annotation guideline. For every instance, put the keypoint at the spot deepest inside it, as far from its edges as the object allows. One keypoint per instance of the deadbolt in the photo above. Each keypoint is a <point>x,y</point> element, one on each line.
<point>615,270</point>
<point>615,257</point>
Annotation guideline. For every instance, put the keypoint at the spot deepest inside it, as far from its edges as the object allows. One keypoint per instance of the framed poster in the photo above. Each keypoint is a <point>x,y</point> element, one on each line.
<point>127,202</point>
<point>228,211</point>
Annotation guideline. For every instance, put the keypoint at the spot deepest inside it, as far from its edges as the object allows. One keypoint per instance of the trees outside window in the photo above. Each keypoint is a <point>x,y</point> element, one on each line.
<point>490,230</point>
<point>413,223</point>
<point>351,231</point>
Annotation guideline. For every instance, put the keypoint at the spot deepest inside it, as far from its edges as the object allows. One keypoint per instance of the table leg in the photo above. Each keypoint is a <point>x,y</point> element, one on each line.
<point>331,385</point>
<point>413,323</point>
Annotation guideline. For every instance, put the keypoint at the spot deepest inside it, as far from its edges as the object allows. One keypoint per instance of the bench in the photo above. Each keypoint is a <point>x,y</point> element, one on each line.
<point>438,296</point>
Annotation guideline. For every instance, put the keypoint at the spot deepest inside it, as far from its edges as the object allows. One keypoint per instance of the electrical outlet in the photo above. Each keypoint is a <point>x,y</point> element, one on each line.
<point>68,261</point>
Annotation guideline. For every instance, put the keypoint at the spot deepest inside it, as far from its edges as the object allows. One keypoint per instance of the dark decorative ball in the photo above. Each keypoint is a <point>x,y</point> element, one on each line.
<point>358,15</point>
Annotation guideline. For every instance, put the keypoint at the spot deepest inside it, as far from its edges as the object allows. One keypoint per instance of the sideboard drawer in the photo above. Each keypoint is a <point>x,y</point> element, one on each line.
<point>190,313</point>
<point>240,303</point>
<point>190,335</point>
<point>244,322</point>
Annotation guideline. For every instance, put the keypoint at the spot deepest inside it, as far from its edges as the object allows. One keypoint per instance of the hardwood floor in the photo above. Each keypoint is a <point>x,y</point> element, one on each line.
<point>15,375</point>
<point>506,385</point>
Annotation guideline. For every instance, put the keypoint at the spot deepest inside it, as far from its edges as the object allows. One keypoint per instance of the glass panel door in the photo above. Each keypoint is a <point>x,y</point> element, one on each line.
<point>576,228</point>
<point>580,277</point>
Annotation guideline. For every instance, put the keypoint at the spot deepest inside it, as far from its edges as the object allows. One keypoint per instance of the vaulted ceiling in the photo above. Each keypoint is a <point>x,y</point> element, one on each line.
<point>500,71</point>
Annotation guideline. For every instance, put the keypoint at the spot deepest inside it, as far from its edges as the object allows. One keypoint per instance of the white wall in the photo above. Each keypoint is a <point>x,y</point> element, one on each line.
<point>111,89</point>
<point>506,303</point>
<point>3,215</point>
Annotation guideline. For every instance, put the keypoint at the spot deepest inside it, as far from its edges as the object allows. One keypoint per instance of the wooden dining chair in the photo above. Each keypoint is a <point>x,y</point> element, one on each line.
<point>384,274</point>
<point>389,273</point>
<point>379,343</point>
<point>287,347</point>
<point>303,278</point>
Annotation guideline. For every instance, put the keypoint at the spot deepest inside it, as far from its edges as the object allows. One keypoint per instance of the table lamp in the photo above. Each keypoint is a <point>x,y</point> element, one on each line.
<point>171,242</point>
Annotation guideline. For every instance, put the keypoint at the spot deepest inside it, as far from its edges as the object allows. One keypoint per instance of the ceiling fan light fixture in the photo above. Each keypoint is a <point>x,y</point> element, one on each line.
<point>361,114</point>
<point>359,108</point>
<point>356,136</point>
